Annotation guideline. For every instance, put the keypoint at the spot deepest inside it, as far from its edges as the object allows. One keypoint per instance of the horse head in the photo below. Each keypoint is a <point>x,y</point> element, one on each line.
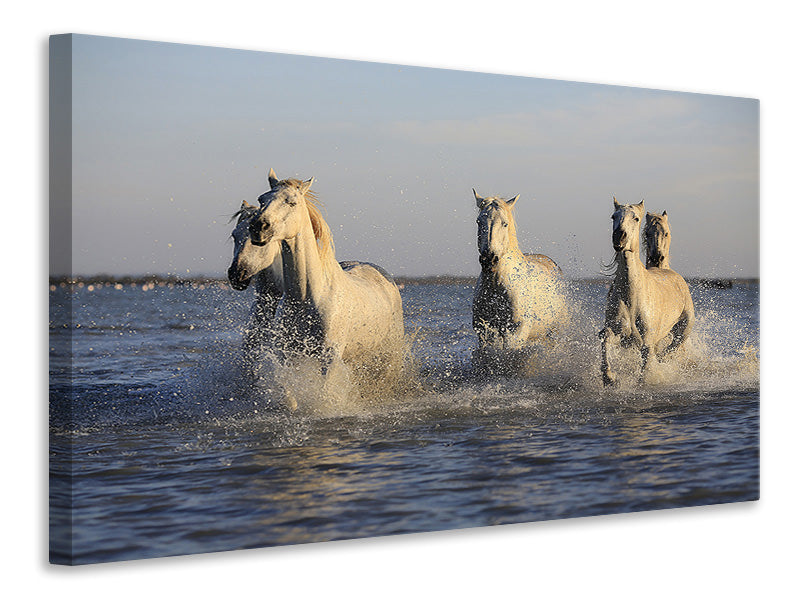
<point>626,221</point>
<point>280,216</point>
<point>496,228</point>
<point>248,259</point>
<point>657,239</point>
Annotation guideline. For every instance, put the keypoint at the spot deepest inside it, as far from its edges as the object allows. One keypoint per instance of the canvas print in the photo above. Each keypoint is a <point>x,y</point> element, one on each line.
<point>298,299</point>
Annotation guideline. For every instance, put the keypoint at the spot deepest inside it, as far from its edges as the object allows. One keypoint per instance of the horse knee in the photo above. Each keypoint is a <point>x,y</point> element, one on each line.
<point>607,334</point>
<point>609,378</point>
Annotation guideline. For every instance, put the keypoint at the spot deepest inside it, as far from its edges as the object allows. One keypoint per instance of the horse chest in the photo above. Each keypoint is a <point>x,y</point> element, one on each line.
<point>493,306</point>
<point>302,326</point>
<point>633,316</point>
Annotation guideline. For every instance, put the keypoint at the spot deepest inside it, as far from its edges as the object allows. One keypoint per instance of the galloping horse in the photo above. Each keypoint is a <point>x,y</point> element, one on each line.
<point>518,297</point>
<point>261,265</point>
<point>644,306</point>
<point>350,315</point>
<point>657,239</point>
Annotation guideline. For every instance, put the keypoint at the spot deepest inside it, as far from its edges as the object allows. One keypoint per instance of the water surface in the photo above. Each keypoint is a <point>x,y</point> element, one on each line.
<point>169,451</point>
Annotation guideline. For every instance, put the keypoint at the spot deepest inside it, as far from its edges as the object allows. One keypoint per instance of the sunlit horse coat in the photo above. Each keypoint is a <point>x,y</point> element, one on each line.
<point>643,306</point>
<point>351,315</point>
<point>519,297</point>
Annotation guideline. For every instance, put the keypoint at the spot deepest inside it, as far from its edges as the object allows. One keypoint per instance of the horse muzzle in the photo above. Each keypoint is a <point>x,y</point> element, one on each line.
<point>488,260</point>
<point>237,282</point>
<point>619,240</point>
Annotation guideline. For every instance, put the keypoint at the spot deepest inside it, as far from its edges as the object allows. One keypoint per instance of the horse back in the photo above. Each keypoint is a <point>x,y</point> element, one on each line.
<point>349,265</point>
<point>672,290</point>
<point>544,262</point>
<point>669,278</point>
<point>372,281</point>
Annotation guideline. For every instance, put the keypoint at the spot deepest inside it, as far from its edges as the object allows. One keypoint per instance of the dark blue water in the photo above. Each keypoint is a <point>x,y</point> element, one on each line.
<point>159,446</point>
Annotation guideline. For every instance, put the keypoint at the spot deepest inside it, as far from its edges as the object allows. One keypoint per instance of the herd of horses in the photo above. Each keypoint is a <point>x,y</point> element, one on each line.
<point>349,315</point>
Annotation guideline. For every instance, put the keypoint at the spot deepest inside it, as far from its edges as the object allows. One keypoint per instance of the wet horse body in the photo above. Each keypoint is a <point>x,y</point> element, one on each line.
<point>346,315</point>
<point>518,297</point>
<point>651,308</point>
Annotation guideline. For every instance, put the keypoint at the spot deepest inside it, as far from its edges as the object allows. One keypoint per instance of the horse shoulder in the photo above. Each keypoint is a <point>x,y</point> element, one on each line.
<point>365,272</point>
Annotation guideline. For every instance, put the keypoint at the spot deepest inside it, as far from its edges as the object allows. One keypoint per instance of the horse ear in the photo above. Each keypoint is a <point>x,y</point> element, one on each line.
<point>306,185</point>
<point>273,179</point>
<point>512,201</point>
<point>616,204</point>
<point>246,204</point>
<point>664,214</point>
<point>478,199</point>
<point>640,206</point>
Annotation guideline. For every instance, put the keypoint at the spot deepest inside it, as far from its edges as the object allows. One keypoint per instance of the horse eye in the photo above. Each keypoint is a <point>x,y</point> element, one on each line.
<point>505,224</point>
<point>636,219</point>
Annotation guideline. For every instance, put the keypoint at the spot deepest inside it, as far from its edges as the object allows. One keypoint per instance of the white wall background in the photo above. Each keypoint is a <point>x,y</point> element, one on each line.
<point>715,47</point>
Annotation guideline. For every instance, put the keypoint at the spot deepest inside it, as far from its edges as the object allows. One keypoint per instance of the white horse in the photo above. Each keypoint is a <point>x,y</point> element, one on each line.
<point>261,265</point>
<point>347,316</point>
<point>657,238</point>
<point>643,306</point>
<point>519,297</point>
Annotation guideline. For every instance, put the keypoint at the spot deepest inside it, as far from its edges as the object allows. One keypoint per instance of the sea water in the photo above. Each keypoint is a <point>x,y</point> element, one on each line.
<point>159,445</point>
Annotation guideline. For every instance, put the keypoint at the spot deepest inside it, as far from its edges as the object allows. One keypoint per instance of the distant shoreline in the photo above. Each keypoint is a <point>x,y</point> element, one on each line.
<point>174,280</point>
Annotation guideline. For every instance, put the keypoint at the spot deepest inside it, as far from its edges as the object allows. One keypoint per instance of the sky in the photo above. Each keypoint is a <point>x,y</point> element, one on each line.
<point>168,139</point>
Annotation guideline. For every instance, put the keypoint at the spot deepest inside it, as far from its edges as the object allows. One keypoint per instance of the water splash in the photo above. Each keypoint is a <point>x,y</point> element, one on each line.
<point>210,382</point>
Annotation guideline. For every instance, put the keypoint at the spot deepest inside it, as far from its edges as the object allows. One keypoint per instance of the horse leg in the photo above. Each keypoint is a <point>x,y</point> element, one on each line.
<point>291,401</point>
<point>607,335</point>
<point>680,331</point>
<point>646,348</point>
<point>517,336</point>
<point>661,346</point>
<point>334,372</point>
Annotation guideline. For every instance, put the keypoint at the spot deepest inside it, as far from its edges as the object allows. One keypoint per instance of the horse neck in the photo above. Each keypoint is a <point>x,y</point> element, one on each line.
<point>266,283</point>
<point>506,267</point>
<point>629,267</point>
<point>269,280</point>
<point>306,275</point>
<point>513,249</point>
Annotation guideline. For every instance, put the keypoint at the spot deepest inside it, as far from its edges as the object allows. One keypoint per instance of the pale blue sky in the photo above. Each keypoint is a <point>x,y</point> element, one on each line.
<point>169,139</point>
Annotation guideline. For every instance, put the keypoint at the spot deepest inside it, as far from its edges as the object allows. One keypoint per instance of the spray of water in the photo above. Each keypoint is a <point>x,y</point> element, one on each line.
<point>433,376</point>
